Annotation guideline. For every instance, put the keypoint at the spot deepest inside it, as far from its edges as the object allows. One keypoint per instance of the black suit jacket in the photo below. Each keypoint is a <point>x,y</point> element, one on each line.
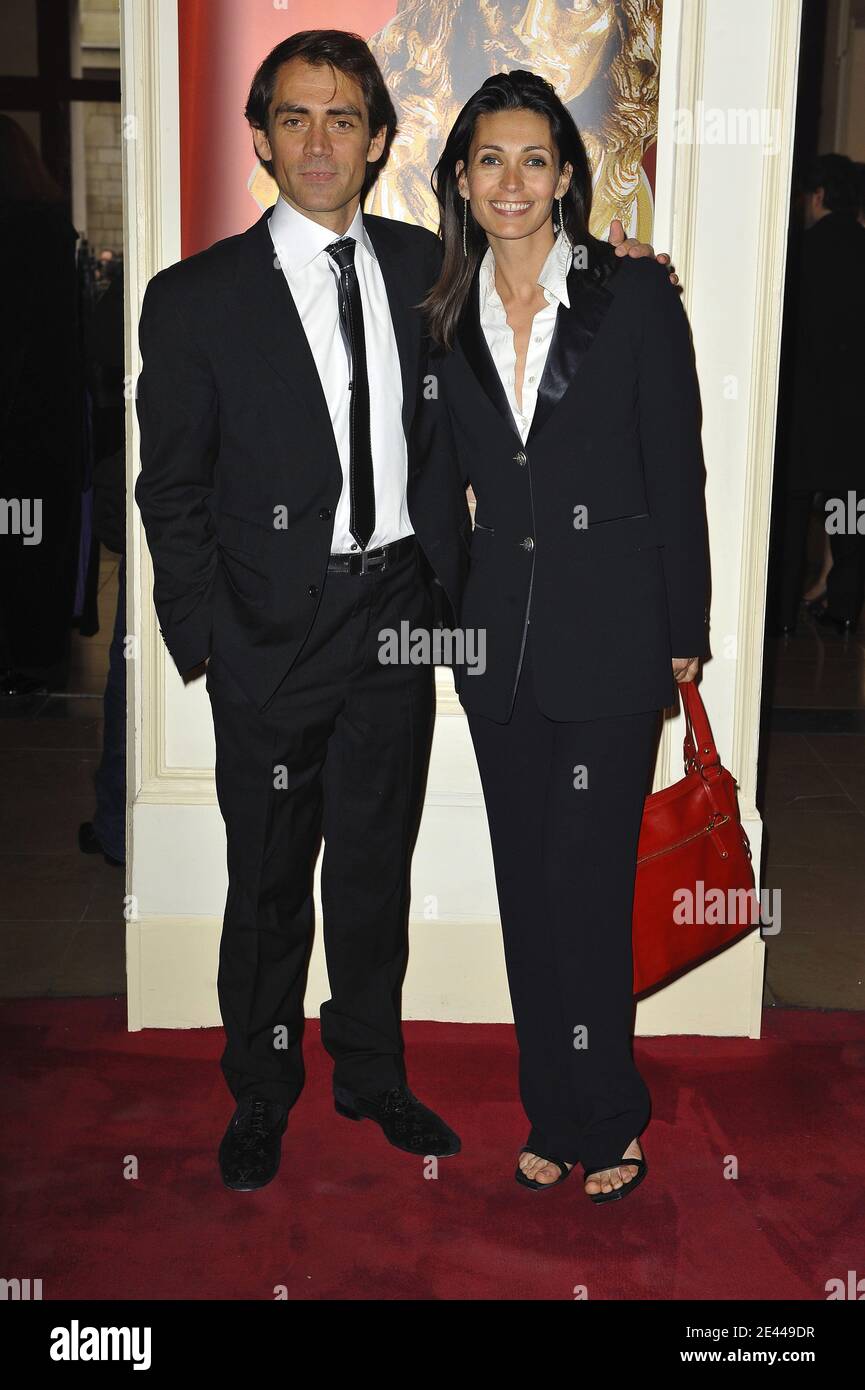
<point>616,432</point>
<point>820,410</point>
<point>240,474</point>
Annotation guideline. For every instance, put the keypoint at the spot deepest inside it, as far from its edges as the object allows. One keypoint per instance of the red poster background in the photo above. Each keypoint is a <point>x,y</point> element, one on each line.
<point>222,42</point>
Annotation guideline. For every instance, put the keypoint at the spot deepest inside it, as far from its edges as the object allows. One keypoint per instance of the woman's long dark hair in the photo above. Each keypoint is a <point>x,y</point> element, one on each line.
<point>505,91</point>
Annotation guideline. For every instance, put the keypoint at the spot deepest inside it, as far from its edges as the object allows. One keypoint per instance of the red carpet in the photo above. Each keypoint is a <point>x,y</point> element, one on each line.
<point>348,1217</point>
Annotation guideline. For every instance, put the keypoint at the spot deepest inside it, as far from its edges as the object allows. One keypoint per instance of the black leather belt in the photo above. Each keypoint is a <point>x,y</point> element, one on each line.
<point>366,561</point>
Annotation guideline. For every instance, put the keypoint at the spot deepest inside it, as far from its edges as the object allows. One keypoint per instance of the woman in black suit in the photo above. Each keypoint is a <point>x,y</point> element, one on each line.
<point>568,400</point>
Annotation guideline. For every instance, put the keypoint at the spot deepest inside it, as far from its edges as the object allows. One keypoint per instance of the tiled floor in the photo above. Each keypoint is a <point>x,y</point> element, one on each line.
<point>61,917</point>
<point>812,799</point>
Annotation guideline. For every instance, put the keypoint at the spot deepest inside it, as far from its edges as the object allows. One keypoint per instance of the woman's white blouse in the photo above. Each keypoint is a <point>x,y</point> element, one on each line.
<point>499,335</point>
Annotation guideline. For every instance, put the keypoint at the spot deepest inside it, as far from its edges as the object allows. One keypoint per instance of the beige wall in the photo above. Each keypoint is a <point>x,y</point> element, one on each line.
<point>104,190</point>
<point>100,201</point>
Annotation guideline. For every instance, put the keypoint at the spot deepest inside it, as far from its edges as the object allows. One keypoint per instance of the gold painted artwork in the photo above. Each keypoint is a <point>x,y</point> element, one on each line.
<point>602,56</point>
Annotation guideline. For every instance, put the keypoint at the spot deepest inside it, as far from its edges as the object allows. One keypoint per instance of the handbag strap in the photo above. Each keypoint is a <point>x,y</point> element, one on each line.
<point>698,749</point>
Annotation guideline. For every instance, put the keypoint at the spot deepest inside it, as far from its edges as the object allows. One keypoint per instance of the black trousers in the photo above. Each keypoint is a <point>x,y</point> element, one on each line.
<point>845,585</point>
<point>565,861</point>
<point>341,752</point>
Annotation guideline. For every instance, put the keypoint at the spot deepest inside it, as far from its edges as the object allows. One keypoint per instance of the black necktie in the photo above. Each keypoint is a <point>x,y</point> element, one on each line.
<point>361,485</point>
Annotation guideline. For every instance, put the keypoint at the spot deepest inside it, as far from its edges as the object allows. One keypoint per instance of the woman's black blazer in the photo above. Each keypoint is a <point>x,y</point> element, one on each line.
<point>595,529</point>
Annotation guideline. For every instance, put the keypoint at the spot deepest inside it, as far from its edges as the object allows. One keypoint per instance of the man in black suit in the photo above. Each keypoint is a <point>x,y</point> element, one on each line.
<point>273,490</point>
<point>283,506</point>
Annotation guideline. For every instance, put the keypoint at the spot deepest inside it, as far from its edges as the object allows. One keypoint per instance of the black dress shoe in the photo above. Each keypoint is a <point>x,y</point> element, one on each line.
<point>250,1150</point>
<point>406,1123</point>
<point>88,843</point>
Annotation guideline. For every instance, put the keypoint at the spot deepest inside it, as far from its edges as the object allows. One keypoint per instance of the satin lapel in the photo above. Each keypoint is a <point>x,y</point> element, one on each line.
<point>390,254</point>
<point>275,328</point>
<point>573,336</point>
<point>476,350</point>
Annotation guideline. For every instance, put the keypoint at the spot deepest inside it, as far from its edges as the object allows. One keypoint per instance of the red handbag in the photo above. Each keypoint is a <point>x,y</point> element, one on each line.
<point>694,891</point>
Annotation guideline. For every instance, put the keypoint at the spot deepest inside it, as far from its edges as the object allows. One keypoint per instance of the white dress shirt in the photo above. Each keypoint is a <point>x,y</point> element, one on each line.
<point>500,337</point>
<point>313,279</point>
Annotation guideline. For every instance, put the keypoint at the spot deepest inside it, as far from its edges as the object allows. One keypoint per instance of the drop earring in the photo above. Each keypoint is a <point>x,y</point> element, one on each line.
<point>465,224</point>
<point>561,219</point>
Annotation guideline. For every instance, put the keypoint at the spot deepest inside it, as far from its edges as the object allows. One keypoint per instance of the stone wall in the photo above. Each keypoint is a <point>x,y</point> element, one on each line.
<point>100,48</point>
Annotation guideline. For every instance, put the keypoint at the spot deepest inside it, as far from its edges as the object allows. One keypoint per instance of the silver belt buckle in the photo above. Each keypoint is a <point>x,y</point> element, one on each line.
<point>369,561</point>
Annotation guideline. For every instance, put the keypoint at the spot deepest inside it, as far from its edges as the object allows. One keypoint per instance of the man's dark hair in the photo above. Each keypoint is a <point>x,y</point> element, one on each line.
<point>836,175</point>
<point>346,53</point>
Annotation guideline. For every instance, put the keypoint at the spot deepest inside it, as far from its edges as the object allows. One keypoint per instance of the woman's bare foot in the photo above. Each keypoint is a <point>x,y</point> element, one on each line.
<point>540,1169</point>
<point>609,1178</point>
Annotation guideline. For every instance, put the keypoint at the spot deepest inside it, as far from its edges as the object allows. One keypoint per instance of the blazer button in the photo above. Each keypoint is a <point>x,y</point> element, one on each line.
<point>312,590</point>
<point>325,514</point>
<point>528,543</point>
<point>520,458</point>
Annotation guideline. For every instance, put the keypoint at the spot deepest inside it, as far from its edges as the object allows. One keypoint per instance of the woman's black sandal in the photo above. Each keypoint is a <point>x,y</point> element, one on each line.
<point>617,1192</point>
<point>541,1186</point>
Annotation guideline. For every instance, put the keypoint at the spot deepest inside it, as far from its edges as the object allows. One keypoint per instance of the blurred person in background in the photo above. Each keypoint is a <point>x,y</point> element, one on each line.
<point>820,399</point>
<point>41,413</point>
<point>106,833</point>
<point>106,268</point>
